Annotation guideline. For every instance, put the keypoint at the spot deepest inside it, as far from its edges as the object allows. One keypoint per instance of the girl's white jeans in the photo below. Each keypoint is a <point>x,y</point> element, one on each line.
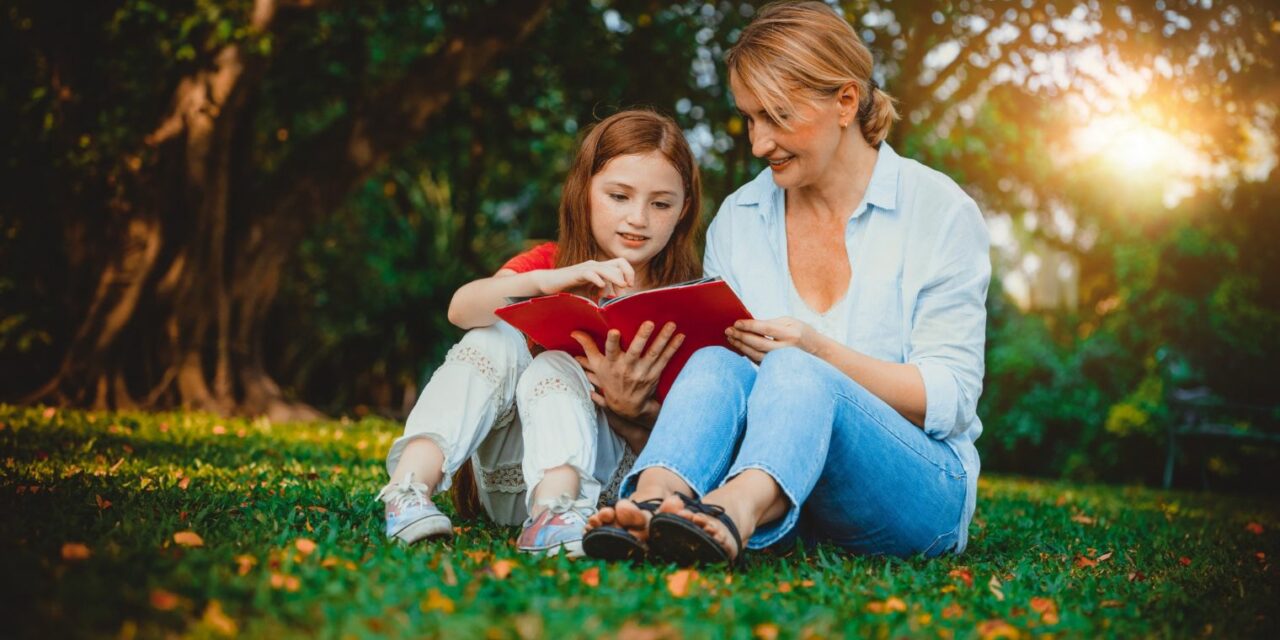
<point>515,416</point>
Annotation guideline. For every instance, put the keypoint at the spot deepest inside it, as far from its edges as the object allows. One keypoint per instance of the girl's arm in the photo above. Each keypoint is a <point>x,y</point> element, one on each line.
<point>473,304</point>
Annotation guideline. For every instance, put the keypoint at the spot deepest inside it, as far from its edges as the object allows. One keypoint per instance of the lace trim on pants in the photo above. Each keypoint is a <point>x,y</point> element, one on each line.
<point>470,355</point>
<point>507,478</point>
<point>548,386</point>
<point>610,492</point>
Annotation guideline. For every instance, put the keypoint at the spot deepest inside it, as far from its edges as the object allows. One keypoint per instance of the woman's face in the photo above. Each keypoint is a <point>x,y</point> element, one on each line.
<point>636,201</point>
<point>798,156</point>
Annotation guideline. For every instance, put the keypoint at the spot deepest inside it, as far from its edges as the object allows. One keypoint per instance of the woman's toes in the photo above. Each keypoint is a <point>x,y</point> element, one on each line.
<point>673,504</point>
<point>605,516</point>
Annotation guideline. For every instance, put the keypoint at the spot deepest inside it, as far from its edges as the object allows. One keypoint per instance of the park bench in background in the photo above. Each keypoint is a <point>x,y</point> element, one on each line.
<point>1198,416</point>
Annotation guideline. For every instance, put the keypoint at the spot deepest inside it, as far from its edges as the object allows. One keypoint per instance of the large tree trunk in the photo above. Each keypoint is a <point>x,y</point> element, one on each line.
<point>177,317</point>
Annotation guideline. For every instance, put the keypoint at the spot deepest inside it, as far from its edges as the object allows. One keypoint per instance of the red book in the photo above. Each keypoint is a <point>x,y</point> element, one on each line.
<point>702,310</point>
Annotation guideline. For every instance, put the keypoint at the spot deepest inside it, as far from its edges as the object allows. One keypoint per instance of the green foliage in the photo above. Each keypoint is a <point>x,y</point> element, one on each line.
<point>1044,557</point>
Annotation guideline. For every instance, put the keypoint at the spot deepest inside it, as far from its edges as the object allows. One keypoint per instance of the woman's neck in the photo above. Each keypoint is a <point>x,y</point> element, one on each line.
<point>840,188</point>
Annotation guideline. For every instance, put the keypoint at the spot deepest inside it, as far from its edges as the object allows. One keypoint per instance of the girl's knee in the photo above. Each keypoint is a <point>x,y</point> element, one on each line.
<point>551,371</point>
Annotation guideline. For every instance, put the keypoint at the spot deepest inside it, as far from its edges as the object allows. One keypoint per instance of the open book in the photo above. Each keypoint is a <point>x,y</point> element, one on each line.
<point>702,310</point>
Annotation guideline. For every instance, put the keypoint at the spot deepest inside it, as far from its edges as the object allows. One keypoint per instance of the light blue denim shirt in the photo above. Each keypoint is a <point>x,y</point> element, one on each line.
<point>919,253</point>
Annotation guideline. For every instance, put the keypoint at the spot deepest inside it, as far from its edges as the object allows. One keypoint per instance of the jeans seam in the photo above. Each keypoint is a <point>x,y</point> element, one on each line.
<point>866,411</point>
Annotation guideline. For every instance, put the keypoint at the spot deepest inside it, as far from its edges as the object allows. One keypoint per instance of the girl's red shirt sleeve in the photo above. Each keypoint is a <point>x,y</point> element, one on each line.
<point>540,257</point>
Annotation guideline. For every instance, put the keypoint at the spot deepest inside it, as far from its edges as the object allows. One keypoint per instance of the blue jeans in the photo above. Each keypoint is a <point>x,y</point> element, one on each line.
<point>856,473</point>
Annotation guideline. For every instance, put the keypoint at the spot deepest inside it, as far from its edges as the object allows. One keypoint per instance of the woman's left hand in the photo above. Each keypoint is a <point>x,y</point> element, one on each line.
<point>626,379</point>
<point>755,338</point>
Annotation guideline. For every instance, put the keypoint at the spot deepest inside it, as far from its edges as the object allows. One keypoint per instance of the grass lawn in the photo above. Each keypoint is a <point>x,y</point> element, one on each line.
<point>160,524</point>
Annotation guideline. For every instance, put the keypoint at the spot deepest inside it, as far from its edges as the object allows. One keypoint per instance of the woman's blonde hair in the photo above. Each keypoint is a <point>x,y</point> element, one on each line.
<point>806,50</point>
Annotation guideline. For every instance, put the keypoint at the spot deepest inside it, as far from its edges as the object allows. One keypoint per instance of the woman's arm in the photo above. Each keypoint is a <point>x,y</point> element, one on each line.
<point>635,431</point>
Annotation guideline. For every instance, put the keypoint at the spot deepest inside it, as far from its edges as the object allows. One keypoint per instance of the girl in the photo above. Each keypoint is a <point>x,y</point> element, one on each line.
<point>628,214</point>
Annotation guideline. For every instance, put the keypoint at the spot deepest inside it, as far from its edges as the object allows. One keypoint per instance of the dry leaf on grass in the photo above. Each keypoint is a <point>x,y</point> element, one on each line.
<point>994,585</point>
<point>591,577</point>
<point>1048,609</point>
<point>436,601</point>
<point>305,546</point>
<point>75,551</point>
<point>218,620</point>
<point>963,574</point>
<point>678,582</point>
<point>993,629</point>
<point>244,563</point>
<point>188,539</point>
<point>766,631</point>
<point>163,600</point>
<point>502,568</point>
<point>1254,528</point>
<point>892,605</point>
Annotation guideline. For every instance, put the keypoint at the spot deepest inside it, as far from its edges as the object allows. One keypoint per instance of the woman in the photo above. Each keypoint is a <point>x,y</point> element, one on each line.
<point>857,425</point>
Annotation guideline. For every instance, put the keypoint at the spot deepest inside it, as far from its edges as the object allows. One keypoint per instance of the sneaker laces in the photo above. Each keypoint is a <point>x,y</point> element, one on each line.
<point>405,493</point>
<point>563,503</point>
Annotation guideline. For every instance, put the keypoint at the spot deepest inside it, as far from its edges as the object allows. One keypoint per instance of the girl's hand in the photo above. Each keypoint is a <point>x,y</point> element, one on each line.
<point>755,338</point>
<point>605,275</point>
<point>625,380</point>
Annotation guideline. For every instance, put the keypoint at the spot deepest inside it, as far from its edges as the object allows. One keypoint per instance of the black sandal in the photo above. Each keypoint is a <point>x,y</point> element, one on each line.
<point>675,539</point>
<point>614,543</point>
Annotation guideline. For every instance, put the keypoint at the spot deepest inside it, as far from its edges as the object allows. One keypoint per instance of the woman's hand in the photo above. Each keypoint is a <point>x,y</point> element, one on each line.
<point>625,380</point>
<point>606,275</point>
<point>755,338</point>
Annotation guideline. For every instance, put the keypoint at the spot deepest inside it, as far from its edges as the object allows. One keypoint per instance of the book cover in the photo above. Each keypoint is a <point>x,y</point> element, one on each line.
<point>701,309</point>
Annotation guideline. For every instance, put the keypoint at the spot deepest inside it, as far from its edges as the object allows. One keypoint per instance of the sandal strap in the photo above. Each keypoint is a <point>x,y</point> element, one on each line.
<point>651,505</point>
<point>716,511</point>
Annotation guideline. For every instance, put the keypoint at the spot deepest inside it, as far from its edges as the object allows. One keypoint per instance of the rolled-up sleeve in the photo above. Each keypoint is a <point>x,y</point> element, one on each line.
<point>715,257</point>
<point>948,330</point>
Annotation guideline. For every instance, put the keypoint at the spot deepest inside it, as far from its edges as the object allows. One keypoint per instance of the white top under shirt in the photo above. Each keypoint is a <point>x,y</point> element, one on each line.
<point>919,253</point>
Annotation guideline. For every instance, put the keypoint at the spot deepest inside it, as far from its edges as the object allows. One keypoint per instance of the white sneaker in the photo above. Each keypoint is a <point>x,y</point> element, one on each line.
<point>559,528</point>
<point>411,515</point>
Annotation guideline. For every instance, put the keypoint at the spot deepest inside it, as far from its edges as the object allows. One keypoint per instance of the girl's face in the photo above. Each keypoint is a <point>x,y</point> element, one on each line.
<point>798,156</point>
<point>636,201</point>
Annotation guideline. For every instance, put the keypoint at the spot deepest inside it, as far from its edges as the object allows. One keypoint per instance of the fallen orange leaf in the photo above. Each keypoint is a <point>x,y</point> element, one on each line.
<point>1048,609</point>
<point>477,556</point>
<point>678,582</point>
<point>184,483</point>
<point>49,413</point>
<point>75,551</point>
<point>103,505</point>
<point>502,568</point>
<point>1186,562</point>
<point>963,574</point>
<point>163,600</point>
<point>218,620</point>
<point>1083,519</point>
<point>888,606</point>
<point>1084,563</point>
<point>766,631</point>
<point>992,629</point>
<point>952,611</point>
<point>188,539</point>
<point>785,587</point>
<point>244,563</point>
<point>1254,528</point>
<point>219,430</point>
<point>1106,556</point>
<point>436,601</point>
<point>591,577</point>
<point>305,546</point>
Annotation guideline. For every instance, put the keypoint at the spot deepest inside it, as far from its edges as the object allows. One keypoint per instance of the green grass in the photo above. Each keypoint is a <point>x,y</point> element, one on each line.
<point>1044,557</point>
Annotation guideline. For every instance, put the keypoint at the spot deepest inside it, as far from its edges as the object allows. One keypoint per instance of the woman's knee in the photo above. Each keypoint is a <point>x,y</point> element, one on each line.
<point>717,367</point>
<point>793,369</point>
<point>499,343</point>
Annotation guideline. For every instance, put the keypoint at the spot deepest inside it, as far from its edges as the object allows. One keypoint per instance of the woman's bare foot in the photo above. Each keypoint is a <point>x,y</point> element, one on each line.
<point>655,482</point>
<point>740,515</point>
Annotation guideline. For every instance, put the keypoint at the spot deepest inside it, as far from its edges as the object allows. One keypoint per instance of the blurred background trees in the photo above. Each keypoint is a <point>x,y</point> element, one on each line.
<point>265,206</point>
